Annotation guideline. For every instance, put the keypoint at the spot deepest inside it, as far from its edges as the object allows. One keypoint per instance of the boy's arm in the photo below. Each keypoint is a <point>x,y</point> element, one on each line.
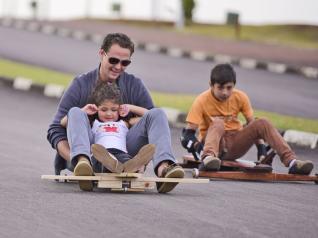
<point>89,109</point>
<point>190,130</point>
<point>188,136</point>
<point>139,111</point>
<point>192,126</point>
<point>126,108</point>
<point>71,98</point>
<point>190,142</point>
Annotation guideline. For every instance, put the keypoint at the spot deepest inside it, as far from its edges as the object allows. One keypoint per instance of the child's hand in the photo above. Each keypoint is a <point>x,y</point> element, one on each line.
<point>123,110</point>
<point>90,109</point>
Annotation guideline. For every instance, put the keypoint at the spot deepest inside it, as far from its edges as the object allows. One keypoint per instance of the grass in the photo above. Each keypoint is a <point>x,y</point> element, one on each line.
<point>37,74</point>
<point>299,36</point>
<point>179,101</point>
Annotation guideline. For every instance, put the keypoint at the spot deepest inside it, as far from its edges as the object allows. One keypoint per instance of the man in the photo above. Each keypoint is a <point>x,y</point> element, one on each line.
<point>73,144</point>
<point>215,113</point>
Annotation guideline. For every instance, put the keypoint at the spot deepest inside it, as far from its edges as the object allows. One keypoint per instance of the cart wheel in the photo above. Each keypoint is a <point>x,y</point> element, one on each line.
<point>65,180</point>
<point>195,173</point>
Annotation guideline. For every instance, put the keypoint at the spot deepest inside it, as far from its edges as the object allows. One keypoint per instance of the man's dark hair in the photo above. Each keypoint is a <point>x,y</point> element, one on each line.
<point>105,91</point>
<point>223,74</point>
<point>118,38</point>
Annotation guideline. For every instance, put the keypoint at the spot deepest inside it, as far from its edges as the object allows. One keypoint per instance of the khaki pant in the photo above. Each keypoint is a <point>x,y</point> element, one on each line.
<point>237,143</point>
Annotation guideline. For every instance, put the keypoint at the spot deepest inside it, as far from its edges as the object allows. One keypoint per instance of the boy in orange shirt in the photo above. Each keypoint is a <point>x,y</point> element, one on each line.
<point>215,113</point>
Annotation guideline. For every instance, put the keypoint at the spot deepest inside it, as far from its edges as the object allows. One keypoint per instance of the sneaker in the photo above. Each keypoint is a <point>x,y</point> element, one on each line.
<point>171,171</point>
<point>210,163</point>
<point>59,164</point>
<point>84,168</point>
<point>301,167</point>
<point>109,161</point>
<point>143,157</point>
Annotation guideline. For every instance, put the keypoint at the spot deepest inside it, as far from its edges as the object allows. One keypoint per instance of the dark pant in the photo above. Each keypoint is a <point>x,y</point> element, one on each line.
<point>237,143</point>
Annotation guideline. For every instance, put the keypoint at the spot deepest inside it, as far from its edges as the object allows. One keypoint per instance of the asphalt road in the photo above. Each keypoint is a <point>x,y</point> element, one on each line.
<point>285,94</point>
<point>31,207</point>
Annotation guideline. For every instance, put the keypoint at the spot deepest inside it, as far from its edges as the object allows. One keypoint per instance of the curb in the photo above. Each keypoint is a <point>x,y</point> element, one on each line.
<point>176,118</point>
<point>247,63</point>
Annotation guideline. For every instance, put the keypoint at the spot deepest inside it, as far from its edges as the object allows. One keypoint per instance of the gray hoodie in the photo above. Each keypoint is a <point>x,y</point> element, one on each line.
<point>132,89</point>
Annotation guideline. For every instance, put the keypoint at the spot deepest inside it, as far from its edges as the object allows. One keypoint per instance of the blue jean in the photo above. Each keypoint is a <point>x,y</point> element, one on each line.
<point>152,128</point>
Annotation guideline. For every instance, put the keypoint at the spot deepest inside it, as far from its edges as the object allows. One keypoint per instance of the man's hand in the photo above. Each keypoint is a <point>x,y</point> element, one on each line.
<point>90,109</point>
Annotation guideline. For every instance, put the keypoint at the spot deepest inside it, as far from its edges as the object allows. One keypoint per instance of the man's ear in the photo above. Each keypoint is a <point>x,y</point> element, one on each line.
<point>101,53</point>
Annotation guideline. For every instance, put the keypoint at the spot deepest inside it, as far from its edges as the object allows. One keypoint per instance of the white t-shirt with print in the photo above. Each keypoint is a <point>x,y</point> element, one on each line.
<point>110,134</point>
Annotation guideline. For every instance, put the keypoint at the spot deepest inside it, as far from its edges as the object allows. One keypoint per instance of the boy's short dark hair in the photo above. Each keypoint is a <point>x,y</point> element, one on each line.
<point>222,74</point>
<point>118,38</point>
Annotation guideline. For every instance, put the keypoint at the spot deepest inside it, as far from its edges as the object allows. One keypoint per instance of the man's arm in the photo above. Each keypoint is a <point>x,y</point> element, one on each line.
<point>64,121</point>
<point>71,98</point>
<point>63,148</point>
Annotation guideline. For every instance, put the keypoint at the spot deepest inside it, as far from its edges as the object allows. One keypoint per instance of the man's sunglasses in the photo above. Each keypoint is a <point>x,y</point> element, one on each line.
<point>114,61</point>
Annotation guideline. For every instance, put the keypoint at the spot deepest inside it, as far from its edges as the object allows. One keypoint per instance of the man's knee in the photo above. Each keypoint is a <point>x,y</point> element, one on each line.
<point>156,113</point>
<point>75,111</point>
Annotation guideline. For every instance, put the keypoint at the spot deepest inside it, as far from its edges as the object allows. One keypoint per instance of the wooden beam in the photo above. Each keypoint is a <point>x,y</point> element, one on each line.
<point>250,176</point>
<point>114,177</point>
<point>226,165</point>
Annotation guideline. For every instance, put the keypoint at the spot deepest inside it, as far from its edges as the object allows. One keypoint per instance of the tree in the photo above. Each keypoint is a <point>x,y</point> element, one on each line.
<point>188,6</point>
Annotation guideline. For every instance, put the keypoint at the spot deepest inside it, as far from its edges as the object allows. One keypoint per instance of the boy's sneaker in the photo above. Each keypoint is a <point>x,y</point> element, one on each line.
<point>171,171</point>
<point>109,161</point>
<point>143,157</point>
<point>84,168</point>
<point>301,167</point>
<point>210,163</point>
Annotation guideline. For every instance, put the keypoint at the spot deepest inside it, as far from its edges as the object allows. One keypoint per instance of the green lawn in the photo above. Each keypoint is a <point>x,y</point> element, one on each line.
<point>37,74</point>
<point>290,35</point>
<point>178,101</point>
<point>300,36</point>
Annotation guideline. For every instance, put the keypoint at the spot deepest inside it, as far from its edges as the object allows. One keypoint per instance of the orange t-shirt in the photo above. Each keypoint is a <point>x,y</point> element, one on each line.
<point>206,106</point>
